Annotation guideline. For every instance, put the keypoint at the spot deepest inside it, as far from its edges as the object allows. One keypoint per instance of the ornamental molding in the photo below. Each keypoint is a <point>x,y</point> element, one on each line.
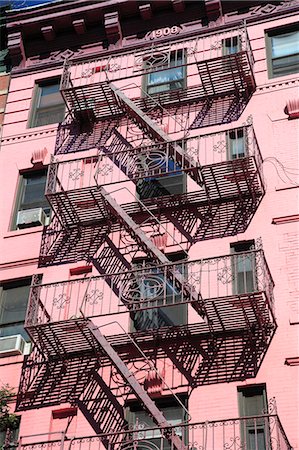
<point>282,84</point>
<point>58,56</point>
<point>24,137</point>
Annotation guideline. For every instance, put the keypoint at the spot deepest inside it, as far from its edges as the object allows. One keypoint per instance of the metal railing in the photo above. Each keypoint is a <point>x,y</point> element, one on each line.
<point>117,163</point>
<point>183,53</point>
<point>232,278</point>
<point>263,432</point>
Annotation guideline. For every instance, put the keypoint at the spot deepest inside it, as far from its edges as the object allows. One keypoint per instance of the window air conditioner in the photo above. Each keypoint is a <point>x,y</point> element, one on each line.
<point>12,345</point>
<point>31,218</point>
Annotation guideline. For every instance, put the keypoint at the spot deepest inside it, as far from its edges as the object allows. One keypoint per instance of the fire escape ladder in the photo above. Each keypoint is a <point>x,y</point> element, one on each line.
<point>155,133</point>
<point>117,153</point>
<point>148,246</point>
<point>111,261</point>
<point>137,388</point>
<point>101,408</point>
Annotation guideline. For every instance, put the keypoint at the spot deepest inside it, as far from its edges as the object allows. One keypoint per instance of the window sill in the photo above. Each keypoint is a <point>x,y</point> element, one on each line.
<point>49,126</point>
<point>280,78</point>
<point>23,232</point>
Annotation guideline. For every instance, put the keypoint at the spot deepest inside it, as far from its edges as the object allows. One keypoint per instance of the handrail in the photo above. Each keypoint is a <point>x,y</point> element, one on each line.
<point>206,425</point>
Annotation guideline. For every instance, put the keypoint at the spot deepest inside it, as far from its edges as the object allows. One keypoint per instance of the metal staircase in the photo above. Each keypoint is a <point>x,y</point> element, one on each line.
<point>136,387</point>
<point>88,218</point>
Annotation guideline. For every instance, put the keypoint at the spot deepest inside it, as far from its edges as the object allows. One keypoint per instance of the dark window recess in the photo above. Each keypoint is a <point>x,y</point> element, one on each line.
<point>48,106</point>
<point>174,183</point>
<point>30,199</point>
<point>172,75</point>
<point>231,45</point>
<point>13,304</point>
<point>252,405</point>
<point>153,288</point>
<point>10,437</point>
<point>172,411</point>
<point>283,52</point>
<point>243,267</point>
<point>236,144</point>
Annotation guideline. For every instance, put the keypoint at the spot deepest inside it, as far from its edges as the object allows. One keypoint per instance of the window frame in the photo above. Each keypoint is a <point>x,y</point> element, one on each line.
<point>164,182</point>
<point>225,48</point>
<point>34,109</point>
<point>229,143</point>
<point>255,425</point>
<point>237,286</point>
<point>175,258</point>
<point>14,436</point>
<point>21,187</point>
<point>14,284</point>
<point>162,403</point>
<point>145,78</point>
<point>269,33</point>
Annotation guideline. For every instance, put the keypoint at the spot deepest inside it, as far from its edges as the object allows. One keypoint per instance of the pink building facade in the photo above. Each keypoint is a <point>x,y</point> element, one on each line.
<point>149,225</point>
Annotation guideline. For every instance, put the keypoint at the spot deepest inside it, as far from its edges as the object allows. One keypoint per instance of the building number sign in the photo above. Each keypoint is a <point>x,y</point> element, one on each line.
<point>163,32</point>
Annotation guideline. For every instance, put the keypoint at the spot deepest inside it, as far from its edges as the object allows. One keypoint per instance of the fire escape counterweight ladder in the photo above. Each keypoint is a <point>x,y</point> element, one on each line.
<point>155,132</point>
<point>136,387</point>
<point>133,228</point>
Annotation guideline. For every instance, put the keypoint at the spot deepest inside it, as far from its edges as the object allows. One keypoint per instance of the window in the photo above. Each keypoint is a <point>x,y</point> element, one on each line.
<point>283,52</point>
<point>170,77</point>
<point>48,105</point>
<point>253,403</point>
<point>31,196</point>
<point>172,411</point>
<point>10,438</point>
<point>13,304</point>
<point>154,287</point>
<point>172,184</point>
<point>236,144</point>
<point>231,45</point>
<point>243,266</point>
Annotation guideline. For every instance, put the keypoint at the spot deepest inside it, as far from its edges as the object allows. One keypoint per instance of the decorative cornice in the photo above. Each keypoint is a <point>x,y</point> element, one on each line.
<point>15,46</point>
<point>48,33</point>
<point>146,11</point>
<point>278,85</point>
<point>79,26</point>
<point>213,9</point>
<point>27,136</point>
<point>112,27</point>
<point>178,5</point>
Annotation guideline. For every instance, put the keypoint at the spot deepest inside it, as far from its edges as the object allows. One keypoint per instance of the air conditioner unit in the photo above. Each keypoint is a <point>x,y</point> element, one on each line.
<point>12,345</point>
<point>31,218</point>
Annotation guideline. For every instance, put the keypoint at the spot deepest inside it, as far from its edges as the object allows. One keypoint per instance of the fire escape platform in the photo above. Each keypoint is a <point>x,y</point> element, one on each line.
<point>240,330</point>
<point>226,74</point>
<point>89,102</point>
<point>223,182</point>
<point>67,337</point>
<point>221,76</point>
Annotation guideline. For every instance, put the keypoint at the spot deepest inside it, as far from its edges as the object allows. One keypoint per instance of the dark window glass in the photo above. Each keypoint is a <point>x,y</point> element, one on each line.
<point>243,267</point>
<point>32,197</point>
<point>172,184</point>
<point>153,286</point>
<point>13,305</point>
<point>231,45</point>
<point>284,52</point>
<point>139,419</point>
<point>48,106</point>
<point>236,144</point>
<point>171,78</point>
<point>252,405</point>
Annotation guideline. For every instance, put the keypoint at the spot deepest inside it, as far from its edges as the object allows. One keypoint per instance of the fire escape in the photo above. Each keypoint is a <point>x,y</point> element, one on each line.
<point>141,141</point>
